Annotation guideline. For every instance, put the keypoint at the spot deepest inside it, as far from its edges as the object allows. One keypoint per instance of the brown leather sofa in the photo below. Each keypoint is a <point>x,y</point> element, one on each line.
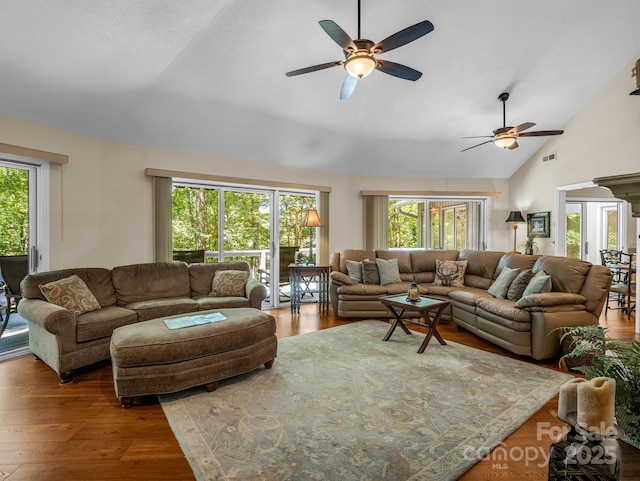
<point>126,294</point>
<point>526,326</point>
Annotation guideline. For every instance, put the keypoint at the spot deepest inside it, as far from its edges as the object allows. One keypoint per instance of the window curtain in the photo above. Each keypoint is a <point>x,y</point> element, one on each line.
<point>162,203</point>
<point>376,222</point>
<point>323,238</point>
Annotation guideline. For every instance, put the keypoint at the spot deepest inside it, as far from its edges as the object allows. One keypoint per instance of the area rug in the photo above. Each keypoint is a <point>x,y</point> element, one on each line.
<point>341,404</point>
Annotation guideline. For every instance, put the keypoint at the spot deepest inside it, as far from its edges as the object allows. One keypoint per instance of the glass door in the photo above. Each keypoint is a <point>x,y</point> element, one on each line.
<point>20,243</point>
<point>575,227</point>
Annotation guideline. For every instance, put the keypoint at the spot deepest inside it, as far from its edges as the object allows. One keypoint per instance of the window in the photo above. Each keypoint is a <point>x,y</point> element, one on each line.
<point>436,223</point>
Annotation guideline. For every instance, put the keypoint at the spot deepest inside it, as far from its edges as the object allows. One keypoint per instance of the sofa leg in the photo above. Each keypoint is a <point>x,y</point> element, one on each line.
<point>127,402</point>
<point>36,358</point>
<point>66,377</point>
<point>212,386</point>
<point>269,364</point>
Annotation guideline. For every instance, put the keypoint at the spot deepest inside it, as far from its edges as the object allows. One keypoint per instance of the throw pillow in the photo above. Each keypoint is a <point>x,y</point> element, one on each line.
<point>354,270</point>
<point>229,283</point>
<point>538,284</point>
<point>501,285</point>
<point>71,293</point>
<point>450,273</point>
<point>370,272</point>
<point>388,271</point>
<point>519,284</point>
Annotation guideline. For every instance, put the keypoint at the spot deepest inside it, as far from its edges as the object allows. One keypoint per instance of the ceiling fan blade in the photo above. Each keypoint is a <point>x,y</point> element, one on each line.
<point>398,70</point>
<point>338,35</point>
<point>513,146</point>
<point>403,37</point>
<point>503,130</point>
<point>477,145</point>
<point>479,137</point>
<point>314,68</point>
<point>348,86</point>
<point>521,127</point>
<point>541,133</point>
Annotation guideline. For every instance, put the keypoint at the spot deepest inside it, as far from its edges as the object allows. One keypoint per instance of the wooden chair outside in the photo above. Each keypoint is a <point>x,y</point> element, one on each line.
<point>12,269</point>
<point>287,256</point>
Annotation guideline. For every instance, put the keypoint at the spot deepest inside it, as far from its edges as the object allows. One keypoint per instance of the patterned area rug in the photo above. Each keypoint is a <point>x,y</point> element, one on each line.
<point>341,404</point>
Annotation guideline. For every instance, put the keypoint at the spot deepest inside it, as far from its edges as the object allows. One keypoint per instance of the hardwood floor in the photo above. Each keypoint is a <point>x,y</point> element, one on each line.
<point>79,431</point>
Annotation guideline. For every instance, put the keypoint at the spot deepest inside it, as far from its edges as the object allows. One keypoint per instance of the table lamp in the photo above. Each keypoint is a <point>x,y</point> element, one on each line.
<point>311,220</point>
<point>515,216</point>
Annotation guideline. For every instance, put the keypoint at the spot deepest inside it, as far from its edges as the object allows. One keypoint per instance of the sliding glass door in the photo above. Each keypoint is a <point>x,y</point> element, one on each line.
<point>260,226</point>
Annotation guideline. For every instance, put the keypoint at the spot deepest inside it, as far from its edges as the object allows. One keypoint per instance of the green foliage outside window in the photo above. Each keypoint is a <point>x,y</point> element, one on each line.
<point>403,225</point>
<point>14,211</point>
<point>573,235</point>
<point>246,220</point>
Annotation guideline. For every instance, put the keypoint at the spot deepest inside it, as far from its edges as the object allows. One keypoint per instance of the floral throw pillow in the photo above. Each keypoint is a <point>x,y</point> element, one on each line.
<point>229,283</point>
<point>450,273</point>
<point>71,293</point>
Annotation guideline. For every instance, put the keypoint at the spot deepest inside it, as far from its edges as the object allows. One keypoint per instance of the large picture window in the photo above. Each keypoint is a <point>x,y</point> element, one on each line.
<point>436,223</point>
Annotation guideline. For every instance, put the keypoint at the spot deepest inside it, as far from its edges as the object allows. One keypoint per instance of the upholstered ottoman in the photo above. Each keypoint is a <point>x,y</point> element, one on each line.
<point>149,358</point>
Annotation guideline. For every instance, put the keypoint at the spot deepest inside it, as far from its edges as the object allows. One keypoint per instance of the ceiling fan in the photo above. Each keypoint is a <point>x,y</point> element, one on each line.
<point>360,55</point>
<point>505,137</point>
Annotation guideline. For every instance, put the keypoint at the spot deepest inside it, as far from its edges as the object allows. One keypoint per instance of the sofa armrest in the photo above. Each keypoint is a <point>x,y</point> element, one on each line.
<point>48,316</point>
<point>340,279</point>
<point>548,299</point>
<point>256,292</point>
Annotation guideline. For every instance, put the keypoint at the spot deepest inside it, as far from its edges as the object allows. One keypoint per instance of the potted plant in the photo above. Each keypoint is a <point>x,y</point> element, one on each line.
<point>530,245</point>
<point>615,359</point>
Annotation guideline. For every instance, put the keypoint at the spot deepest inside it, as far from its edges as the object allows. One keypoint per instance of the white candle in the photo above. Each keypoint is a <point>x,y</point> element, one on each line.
<point>568,401</point>
<point>596,405</point>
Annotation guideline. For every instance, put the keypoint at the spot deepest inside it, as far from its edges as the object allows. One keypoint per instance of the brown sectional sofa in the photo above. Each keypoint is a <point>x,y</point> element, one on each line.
<point>126,294</point>
<point>525,327</point>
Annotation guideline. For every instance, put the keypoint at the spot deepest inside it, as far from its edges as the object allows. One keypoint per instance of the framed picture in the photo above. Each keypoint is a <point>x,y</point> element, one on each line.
<point>538,224</point>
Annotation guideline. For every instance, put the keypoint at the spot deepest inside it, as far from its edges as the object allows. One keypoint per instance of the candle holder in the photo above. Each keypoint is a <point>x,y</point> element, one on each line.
<point>583,454</point>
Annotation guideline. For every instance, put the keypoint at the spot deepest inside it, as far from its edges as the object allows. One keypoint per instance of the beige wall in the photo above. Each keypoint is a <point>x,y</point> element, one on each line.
<point>101,201</point>
<point>602,139</point>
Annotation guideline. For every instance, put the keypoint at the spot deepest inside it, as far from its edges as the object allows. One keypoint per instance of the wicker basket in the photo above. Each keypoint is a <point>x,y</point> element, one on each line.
<point>570,363</point>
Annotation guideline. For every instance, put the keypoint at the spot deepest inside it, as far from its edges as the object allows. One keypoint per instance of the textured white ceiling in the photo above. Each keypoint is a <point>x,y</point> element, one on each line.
<point>208,76</point>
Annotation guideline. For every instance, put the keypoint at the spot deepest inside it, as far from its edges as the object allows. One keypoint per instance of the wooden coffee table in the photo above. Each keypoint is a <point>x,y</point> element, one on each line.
<point>430,311</point>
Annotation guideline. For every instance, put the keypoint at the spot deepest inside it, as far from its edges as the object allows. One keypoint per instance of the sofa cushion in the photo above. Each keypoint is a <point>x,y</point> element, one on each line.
<point>423,263</point>
<point>354,271</point>
<point>503,308</point>
<point>450,273</point>
<point>538,284</point>
<point>370,272</point>
<point>229,283</point>
<point>355,255</point>
<point>481,266</point>
<point>201,275</point>
<point>150,309</point>
<point>97,279</point>
<point>206,303</point>
<point>567,274</point>
<point>501,285</point>
<point>71,293</point>
<point>388,271</point>
<point>519,284</point>
<point>156,280</point>
<point>99,324</point>
<point>402,257</point>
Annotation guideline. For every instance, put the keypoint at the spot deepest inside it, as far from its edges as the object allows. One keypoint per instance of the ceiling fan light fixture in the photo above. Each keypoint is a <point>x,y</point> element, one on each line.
<point>504,141</point>
<point>360,64</point>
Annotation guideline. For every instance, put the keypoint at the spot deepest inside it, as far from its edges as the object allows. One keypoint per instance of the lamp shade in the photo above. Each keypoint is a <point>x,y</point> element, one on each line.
<point>311,219</point>
<point>515,216</point>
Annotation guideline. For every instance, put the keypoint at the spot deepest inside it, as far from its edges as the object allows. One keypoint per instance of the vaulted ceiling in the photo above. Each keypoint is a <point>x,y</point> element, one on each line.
<point>209,76</point>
